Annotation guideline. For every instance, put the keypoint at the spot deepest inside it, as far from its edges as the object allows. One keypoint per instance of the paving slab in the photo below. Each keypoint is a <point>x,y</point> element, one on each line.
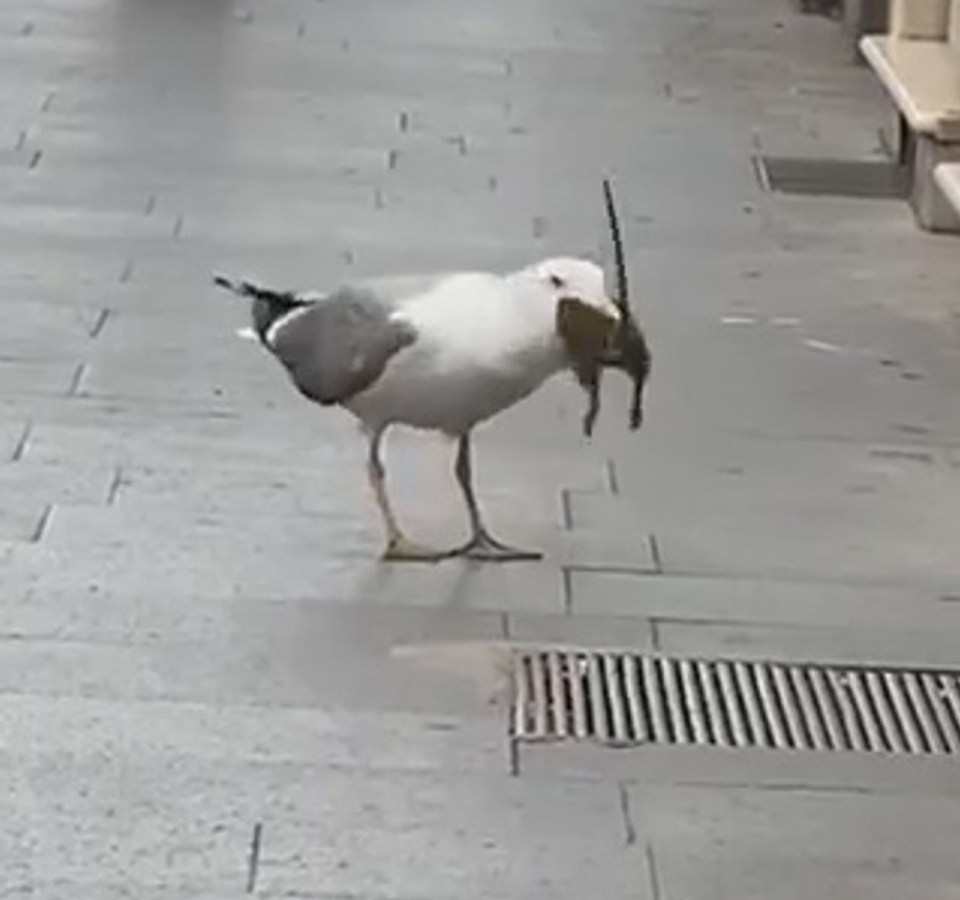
<point>190,732</point>
<point>38,331</point>
<point>32,491</point>
<point>374,846</point>
<point>27,376</point>
<point>263,654</point>
<point>95,826</point>
<point>705,598</point>
<point>871,511</point>
<point>196,572</point>
<point>775,770</point>
<point>322,830</point>
<point>12,435</point>
<point>164,451</point>
<point>935,646</point>
<point>757,843</point>
<point>634,633</point>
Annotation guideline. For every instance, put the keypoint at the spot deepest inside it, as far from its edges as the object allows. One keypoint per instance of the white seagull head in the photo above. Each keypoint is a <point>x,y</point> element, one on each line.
<point>585,320</point>
<point>569,278</point>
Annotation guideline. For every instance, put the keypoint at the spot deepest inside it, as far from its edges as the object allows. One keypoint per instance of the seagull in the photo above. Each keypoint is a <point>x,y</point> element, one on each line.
<point>444,353</point>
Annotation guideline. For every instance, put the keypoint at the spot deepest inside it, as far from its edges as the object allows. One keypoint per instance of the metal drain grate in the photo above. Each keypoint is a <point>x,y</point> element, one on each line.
<point>626,699</point>
<point>875,179</point>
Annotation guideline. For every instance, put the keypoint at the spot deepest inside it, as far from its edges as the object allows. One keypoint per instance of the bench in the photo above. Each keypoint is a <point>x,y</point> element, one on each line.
<point>918,63</point>
<point>947,176</point>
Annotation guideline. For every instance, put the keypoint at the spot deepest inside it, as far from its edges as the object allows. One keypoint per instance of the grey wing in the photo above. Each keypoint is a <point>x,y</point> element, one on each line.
<point>340,345</point>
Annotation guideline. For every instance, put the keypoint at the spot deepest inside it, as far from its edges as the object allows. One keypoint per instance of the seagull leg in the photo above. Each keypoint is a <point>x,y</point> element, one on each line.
<point>481,544</point>
<point>399,546</point>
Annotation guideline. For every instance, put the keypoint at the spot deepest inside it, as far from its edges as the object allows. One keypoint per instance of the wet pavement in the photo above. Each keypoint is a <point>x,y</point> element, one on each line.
<point>208,686</point>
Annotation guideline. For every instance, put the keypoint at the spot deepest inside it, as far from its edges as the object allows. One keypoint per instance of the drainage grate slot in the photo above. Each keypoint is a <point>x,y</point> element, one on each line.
<point>865,711</point>
<point>715,713</point>
<point>946,727</point>
<point>623,699</point>
<point>748,695</point>
<point>654,696</point>
<point>829,710</point>
<point>597,708</point>
<point>732,706</point>
<point>926,717</point>
<point>619,709</point>
<point>810,714</point>
<point>906,717</point>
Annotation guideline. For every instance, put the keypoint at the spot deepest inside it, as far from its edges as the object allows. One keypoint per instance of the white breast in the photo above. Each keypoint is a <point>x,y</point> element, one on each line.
<point>480,348</point>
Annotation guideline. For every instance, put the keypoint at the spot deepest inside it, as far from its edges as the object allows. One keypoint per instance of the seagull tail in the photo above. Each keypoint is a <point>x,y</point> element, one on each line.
<point>279,302</point>
<point>268,304</point>
<point>241,288</point>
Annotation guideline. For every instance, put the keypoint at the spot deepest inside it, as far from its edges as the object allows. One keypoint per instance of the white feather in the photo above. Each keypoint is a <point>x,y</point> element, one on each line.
<point>282,322</point>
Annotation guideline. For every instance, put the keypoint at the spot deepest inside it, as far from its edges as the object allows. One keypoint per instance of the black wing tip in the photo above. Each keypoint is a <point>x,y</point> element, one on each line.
<point>240,287</point>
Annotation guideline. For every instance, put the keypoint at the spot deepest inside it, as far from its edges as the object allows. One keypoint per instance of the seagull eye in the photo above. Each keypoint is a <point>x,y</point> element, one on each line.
<point>557,282</point>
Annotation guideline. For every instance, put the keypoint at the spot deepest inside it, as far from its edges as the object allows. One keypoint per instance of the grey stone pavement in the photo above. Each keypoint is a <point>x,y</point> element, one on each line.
<point>208,687</point>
